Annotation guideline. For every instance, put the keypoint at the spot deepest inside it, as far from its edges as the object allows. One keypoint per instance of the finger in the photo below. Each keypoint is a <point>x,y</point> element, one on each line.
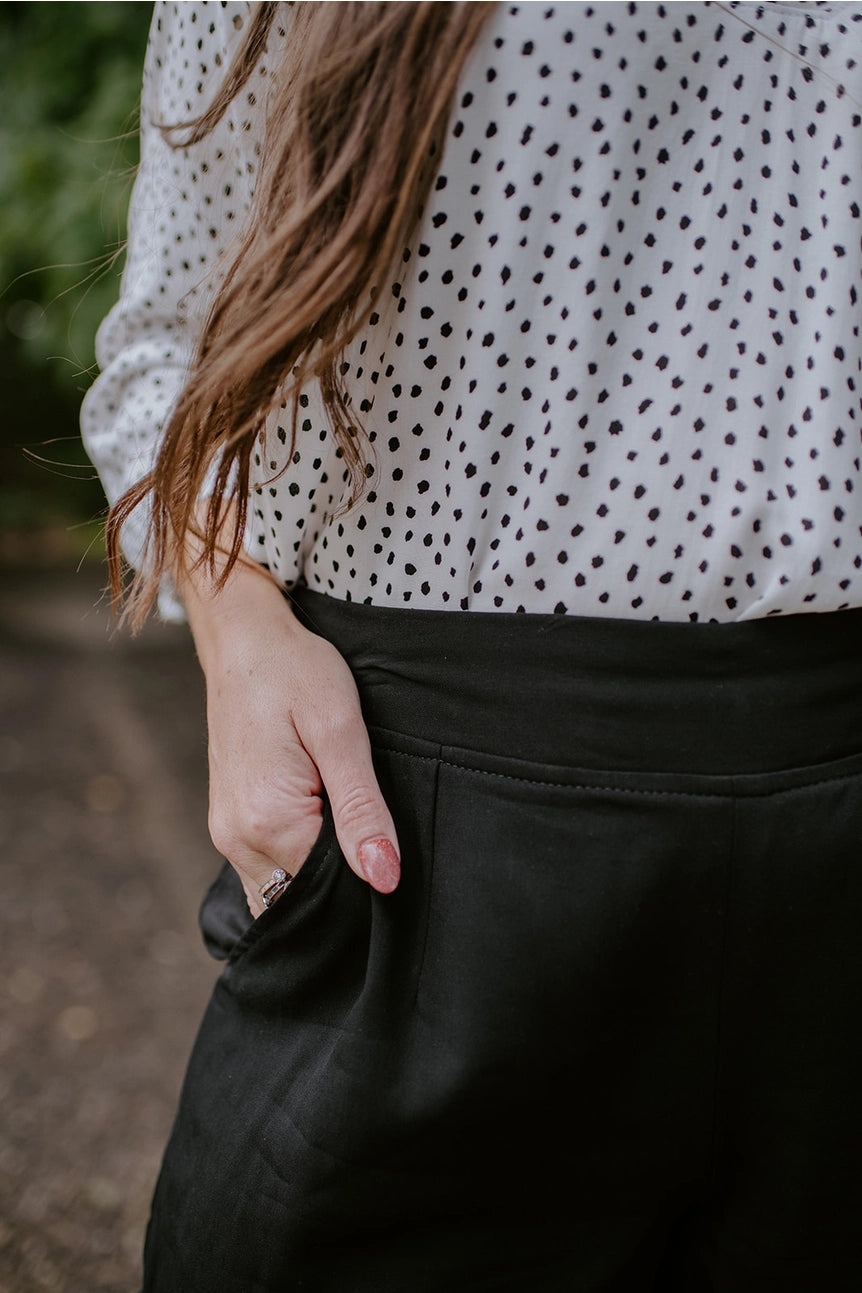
<point>254,872</point>
<point>363,823</point>
<point>257,869</point>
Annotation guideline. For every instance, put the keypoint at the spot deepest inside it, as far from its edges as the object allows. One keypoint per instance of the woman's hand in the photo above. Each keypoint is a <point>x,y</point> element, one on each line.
<point>284,723</point>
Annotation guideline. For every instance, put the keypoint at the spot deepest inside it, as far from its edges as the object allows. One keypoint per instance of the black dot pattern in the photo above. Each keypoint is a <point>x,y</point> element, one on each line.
<point>187,208</point>
<point>617,373</point>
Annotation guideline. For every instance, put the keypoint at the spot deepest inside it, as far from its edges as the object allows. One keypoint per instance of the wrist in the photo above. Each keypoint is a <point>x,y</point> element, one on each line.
<point>241,618</point>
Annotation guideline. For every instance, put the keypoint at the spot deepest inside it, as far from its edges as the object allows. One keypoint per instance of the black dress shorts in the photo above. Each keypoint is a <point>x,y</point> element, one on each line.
<point>605,1036</point>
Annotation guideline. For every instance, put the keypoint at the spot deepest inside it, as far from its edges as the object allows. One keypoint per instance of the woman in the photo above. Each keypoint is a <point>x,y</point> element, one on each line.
<point>532,381</point>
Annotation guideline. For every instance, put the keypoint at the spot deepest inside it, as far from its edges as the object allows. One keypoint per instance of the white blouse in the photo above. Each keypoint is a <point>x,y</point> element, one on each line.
<point>618,372</point>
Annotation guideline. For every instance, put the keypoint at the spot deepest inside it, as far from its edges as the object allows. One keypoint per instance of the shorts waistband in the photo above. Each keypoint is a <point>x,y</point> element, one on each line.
<point>629,695</point>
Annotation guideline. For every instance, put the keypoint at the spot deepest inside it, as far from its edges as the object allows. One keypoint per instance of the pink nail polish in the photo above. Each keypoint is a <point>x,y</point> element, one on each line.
<point>380,864</point>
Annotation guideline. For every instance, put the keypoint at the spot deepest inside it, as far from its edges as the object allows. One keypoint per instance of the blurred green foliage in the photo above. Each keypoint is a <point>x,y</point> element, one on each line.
<point>70,76</point>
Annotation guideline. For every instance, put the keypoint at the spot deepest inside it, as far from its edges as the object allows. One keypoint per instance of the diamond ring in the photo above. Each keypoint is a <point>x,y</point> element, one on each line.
<point>275,886</point>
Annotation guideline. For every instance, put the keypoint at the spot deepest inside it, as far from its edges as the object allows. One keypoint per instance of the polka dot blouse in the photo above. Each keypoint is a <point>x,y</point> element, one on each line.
<point>618,372</point>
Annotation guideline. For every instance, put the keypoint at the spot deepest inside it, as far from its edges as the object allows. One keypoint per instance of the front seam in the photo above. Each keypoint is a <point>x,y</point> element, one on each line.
<point>722,994</point>
<point>426,914</point>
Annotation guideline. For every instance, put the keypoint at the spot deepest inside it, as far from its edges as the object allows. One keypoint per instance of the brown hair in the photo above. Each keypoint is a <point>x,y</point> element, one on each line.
<point>356,119</point>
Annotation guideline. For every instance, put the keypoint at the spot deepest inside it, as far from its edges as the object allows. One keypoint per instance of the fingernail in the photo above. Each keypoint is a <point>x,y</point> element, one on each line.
<point>380,864</point>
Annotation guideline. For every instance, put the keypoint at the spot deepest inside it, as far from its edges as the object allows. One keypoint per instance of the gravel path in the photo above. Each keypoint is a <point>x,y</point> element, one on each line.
<point>105,855</point>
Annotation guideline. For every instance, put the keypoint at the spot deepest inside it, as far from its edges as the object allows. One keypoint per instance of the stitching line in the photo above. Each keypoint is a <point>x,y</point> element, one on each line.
<point>627,790</point>
<point>730,860</point>
<point>428,890</point>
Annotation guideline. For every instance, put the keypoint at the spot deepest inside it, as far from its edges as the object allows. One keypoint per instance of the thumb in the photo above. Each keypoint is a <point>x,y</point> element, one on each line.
<point>363,823</point>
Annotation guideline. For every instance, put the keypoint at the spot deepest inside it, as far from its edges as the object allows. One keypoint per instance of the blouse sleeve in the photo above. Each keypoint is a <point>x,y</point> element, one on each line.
<point>186,208</point>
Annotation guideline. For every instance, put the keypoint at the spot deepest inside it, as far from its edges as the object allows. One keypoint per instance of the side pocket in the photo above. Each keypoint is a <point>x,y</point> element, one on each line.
<point>226,924</point>
<point>223,916</point>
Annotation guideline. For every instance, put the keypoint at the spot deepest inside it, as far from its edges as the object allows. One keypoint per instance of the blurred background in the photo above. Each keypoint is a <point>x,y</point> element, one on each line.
<point>105,852</point>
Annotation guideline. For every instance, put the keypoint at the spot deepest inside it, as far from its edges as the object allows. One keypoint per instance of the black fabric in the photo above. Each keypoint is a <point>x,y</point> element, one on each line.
<point>604,1036</point>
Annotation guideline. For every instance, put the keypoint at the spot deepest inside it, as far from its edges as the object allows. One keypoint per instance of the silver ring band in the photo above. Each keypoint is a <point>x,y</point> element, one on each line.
<point>275,886</point>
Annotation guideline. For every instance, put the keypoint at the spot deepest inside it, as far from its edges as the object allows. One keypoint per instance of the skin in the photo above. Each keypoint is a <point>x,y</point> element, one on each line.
<point>284,723</point>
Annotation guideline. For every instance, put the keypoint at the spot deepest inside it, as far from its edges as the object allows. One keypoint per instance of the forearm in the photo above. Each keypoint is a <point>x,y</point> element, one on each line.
<point>247,609</point>
<point>228,616</point>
